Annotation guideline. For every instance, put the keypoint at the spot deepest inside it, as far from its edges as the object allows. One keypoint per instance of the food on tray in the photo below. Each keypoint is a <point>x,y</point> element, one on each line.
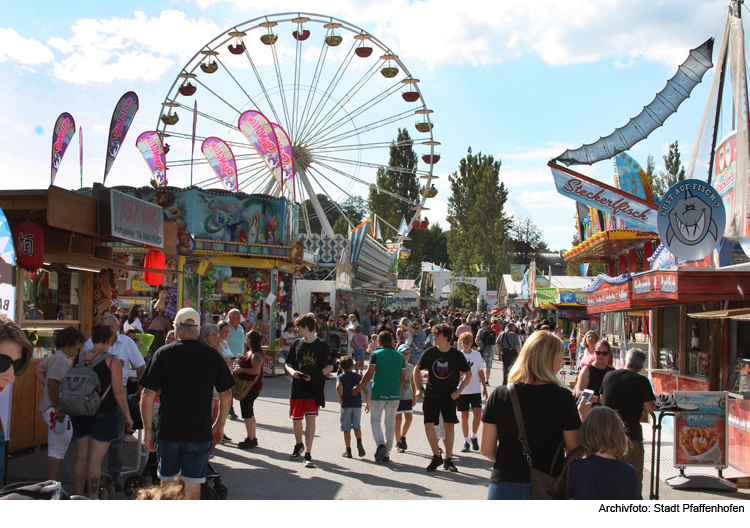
<point>697,440</point>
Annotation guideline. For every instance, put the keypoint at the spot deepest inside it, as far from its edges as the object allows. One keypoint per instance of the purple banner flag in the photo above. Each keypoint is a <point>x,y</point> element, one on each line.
<point>287,158</point>
<point>65,128</point>
<point>122,118</point>
<point>259,132</point>
<point>222,161</point>
<point>149,143</point>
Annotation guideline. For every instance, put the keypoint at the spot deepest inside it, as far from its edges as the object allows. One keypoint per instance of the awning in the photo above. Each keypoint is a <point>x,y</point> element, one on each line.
<point>603,245</point>
<point>740,314</point>
<point>95,262</point>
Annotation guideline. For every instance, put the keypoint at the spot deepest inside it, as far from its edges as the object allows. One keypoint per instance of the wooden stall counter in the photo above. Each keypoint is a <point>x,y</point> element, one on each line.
<point>27,428</point>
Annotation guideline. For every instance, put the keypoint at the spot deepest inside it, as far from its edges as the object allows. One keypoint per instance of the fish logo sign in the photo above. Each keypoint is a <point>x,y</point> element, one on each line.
<point>441,369</point>
<point>691,219</point>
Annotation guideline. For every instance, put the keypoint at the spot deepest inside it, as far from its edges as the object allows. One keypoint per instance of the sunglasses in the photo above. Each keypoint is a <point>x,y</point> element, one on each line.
<point>600,353</point>
<point>6,362</point>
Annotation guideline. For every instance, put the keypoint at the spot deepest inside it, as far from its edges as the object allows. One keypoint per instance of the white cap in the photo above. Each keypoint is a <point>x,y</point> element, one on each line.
<point>187,317</point>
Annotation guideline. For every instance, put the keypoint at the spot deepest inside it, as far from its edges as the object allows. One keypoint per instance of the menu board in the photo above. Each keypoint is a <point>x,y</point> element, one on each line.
<point>701,429</point>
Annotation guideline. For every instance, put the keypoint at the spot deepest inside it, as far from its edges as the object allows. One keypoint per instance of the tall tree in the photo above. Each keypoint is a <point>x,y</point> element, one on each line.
<point>403,183</point>
<point>527,240</point>
<point>329,208</point>
<point>662,181</point>
<point>355,209</point>
<point>479,224</point>
<point>436,245</point>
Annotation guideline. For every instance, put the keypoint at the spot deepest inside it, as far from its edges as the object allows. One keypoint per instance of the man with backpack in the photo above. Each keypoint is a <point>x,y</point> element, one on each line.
<point>486,338</point>
<point>508,348</point>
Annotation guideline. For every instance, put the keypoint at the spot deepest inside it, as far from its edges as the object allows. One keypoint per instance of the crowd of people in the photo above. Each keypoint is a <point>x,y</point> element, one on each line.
<point>186,375</point>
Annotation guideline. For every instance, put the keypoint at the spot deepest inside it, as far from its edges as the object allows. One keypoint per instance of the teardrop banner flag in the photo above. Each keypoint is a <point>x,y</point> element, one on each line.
<point>287,158</point>
<point>149,143</point>
<point>122,118</point>
<point>222,161</point>
<point>65,128</point>
<point>259,132</point>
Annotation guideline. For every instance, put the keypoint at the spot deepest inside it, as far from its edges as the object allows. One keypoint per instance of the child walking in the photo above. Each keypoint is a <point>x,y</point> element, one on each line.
<point>359,343</point>
<point>602,476</point>
<point>407,403</point>
<point>351,406</point>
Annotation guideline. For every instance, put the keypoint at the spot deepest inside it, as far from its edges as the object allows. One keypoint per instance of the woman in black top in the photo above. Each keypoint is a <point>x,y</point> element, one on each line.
<point>93,434</point>
<point>549,414</point>
<point>591,375</point>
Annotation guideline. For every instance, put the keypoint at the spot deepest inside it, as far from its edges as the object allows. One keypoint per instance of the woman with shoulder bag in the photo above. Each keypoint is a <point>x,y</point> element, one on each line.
<point>250,370</point>
<point>592,375</point>
<point>549,413</point>
<point>93,434</point>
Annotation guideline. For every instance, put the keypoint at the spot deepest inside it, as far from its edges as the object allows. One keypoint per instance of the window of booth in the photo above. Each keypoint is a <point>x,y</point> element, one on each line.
<point>698,343</point>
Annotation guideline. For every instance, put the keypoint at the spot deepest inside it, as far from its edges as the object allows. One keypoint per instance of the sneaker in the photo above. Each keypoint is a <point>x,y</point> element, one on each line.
<point>466,447</point>
<point>475,444</point>
<point>233,415</point>
<point>449,465</point>
<point>403,443</point>
<point>297,453</point>
<point>308,461</point>
<point>129,439</point>
<point>248,444</point>
<point>226,440</point>
<point>361,449</point>
<point>386,460</point>
<point>436,462</point>
<point>347,453</point>
<point>380,453</point>
<point>400,447</point>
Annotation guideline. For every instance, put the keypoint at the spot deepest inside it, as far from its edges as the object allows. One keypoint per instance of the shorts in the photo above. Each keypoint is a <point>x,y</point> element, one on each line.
<point>433,408</point>
<point>188,460</point>
<point>57,443</point>
<point>488,355</point>
<point>404,406</point>
<point>298,409</point>
<point>465,401</point>
<point>359,354</point>
<point>246,406</point>
<point>350,417</point>
<point>101,427</point>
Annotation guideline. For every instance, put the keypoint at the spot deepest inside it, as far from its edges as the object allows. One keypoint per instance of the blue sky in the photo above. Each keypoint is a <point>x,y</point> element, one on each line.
<point>506,79</point>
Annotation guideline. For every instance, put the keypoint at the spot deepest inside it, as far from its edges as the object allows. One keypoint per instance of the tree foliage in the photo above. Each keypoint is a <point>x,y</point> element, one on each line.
<point>406,185</point>
<point>436,245</point>
<point>479,224</point>
<point>662,181</point>
<point>527,240</point>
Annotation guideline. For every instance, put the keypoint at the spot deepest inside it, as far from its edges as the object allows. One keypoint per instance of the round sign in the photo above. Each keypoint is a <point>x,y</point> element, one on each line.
<point>691,219</point>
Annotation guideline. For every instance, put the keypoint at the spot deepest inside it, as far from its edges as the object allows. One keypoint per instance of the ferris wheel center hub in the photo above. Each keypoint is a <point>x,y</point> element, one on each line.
<point>302,156</point>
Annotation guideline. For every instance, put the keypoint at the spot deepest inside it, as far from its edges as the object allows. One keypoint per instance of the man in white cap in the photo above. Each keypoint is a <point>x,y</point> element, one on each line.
<point>186,372</point>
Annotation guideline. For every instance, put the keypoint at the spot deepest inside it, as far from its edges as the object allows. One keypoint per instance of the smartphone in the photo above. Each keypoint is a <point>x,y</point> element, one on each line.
<point>587,395</point>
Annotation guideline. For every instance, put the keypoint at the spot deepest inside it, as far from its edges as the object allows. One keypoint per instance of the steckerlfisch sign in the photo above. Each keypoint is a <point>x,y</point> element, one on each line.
<point>621,204</point>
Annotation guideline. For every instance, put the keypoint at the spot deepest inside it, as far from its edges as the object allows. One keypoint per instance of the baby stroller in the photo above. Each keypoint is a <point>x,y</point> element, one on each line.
<point>334,348</point>
<point>150,475</point>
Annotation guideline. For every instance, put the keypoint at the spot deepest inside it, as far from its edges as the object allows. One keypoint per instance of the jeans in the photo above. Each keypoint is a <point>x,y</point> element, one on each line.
<point>376,410</point>
<point>114,458</point>
<point>509,491</point>
<point>509,357</point>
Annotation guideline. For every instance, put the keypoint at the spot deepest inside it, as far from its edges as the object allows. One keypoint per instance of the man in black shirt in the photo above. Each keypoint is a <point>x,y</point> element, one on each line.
<point>445,366</point>
<point>186,372</point>
<point>629,393</point>
<point>308,364</point>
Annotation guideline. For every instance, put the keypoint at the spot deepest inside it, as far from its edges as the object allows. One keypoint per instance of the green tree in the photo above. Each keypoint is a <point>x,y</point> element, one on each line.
<point>479,224</point>
<point>341,227</point>
<point>527,240</point>
<point>436,245</point>
<point>405,184</point>
<point>329,208</point>
<point>662,181</point>
<point>355,209</point>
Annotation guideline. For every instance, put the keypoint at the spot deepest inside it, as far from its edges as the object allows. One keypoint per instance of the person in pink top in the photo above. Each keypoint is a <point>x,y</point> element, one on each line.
<point>589,349</point>
<point>463,327</point>
<point>359,343</point>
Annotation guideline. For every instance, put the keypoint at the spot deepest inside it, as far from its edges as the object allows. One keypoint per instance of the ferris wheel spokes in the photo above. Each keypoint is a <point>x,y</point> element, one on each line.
<point>220,98</point>
<point>368,184</point>
<point>360,130</point>
<point>262,86</point>
<point>302,177</point>
<point>310,99</point>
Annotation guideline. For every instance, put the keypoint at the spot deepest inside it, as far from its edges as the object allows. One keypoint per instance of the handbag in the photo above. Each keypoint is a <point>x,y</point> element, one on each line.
<point>242,387</point>
<point>543,485</point>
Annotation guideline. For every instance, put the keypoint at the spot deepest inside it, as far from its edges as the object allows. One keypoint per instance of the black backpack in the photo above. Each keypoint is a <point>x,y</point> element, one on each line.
<point>489,337</point>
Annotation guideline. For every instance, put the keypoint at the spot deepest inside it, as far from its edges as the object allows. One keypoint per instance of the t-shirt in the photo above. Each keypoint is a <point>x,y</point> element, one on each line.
<point>236,340</point>
<point>366,324</point>
<point>324,329</point>
<point>508,339</point>
<point>444,371</point>
<point>625,391</point>
<point>476,364</point>
<point>186,371</point>
<point>481,336</point>
<point>497,328</point>
<point>475,327</point>
<point>348,381</point>
<point>288,336</point>
<point>461,329</point>
<point>406,392</point>
<point>57,366</point>
<point>314,354</point>
<point>547,411</point>
<point>350,331</point>
<point>135,324</point>
<point>359,341</point>
<point>599,478</point>
<point>386,383</point>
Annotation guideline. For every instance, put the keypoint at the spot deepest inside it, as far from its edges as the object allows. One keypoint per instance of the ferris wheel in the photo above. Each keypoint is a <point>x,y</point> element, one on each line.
<point>338,92</point>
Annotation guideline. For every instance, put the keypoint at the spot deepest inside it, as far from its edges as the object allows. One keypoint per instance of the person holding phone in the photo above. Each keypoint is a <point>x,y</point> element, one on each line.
<point>307,364</point>
<point>592,375</point>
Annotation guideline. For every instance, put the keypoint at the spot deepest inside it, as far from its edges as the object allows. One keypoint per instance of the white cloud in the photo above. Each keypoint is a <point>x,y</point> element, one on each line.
<point>129,48</point>
<point>482,32</point>
<point>544,200</point>
<point>22,50</point>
